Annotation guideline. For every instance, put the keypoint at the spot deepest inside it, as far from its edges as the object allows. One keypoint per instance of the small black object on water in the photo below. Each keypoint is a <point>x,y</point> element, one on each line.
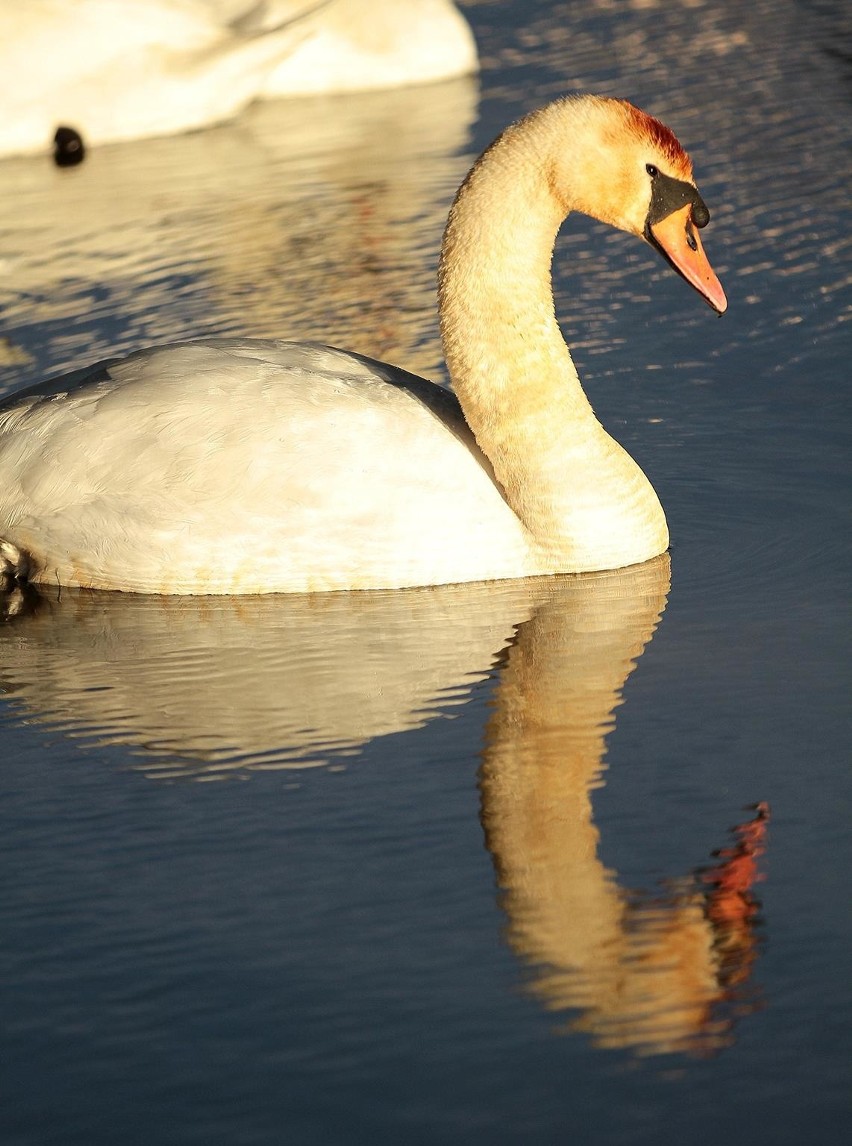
<point>68,147</point>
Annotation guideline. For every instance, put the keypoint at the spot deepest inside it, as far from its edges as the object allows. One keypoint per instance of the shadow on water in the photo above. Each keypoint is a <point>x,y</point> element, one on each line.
<point>218,687</point>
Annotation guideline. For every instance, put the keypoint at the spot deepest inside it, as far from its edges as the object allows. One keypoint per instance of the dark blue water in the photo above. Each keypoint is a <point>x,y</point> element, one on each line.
<point>439,866</point>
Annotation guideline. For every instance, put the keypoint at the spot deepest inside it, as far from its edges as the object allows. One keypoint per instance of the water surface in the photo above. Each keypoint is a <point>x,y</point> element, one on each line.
<point>477,863</point>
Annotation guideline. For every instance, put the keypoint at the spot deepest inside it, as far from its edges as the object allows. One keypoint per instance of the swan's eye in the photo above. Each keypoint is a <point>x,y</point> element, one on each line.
<point>651,169</point>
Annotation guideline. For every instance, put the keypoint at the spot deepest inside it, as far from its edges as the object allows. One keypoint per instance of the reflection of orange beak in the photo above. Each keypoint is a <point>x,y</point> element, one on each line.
<point>677,237</point>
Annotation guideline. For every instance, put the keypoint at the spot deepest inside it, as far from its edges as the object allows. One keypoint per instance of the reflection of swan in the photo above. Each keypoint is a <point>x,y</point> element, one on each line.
<point>243,466</point>
<point>644,973</point>
<point>318,189</point>
<point>155,67</point>
<point>222,686</point>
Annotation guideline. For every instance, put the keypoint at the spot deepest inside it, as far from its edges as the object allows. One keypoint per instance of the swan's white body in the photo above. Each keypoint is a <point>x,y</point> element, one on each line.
<point>121,71</point>
<point>250,466</point>
<point>299,468</point>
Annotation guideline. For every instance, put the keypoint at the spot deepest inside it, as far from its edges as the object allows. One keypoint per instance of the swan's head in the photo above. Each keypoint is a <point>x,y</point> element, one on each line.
<point>627,169</point>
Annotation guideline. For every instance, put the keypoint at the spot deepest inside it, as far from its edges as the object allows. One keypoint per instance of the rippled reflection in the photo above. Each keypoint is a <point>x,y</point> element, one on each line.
<point>314,218</point>
<point>210,686</point>
<point>226,686</point>
<point>662,973</point>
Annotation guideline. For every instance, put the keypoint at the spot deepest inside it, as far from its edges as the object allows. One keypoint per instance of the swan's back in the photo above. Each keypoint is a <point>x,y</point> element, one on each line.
<point>245,466</point>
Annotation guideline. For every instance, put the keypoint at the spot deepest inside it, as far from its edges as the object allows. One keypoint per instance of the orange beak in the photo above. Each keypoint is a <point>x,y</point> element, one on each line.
<point>677,238</point>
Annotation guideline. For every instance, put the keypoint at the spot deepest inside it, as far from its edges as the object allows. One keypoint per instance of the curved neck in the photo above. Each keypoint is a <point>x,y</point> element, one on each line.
<point>569,483</point>
<point>502,344</point>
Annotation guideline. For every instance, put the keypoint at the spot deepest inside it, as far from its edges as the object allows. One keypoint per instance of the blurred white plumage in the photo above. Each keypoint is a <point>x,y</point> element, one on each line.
<point>156,67</point>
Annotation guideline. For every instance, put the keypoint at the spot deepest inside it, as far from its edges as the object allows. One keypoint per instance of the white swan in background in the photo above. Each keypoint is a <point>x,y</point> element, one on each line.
<point>244,466</point>
<point>116,72</point>
<point>353,45</point>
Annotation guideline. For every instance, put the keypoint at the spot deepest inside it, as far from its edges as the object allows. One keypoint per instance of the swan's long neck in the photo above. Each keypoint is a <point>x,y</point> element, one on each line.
<point>577,492</point>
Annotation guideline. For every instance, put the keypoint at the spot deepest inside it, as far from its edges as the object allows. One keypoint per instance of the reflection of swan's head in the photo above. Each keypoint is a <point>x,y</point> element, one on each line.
<point>680,973</point>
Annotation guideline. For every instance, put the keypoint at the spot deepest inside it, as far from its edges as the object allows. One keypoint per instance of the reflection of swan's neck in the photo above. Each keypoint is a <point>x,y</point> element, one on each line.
<point>643,975</point>
<point>583,499</point>
<point>643,972</point>
<point>544,753</point>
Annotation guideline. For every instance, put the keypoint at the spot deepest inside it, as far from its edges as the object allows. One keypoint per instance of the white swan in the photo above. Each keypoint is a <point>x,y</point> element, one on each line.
<point>243,466</point>
<point>116,72</point>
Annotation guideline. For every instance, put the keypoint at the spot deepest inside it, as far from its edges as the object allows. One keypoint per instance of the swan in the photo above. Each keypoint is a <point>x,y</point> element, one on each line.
<point>117,72</point>
<point>245,466</point>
